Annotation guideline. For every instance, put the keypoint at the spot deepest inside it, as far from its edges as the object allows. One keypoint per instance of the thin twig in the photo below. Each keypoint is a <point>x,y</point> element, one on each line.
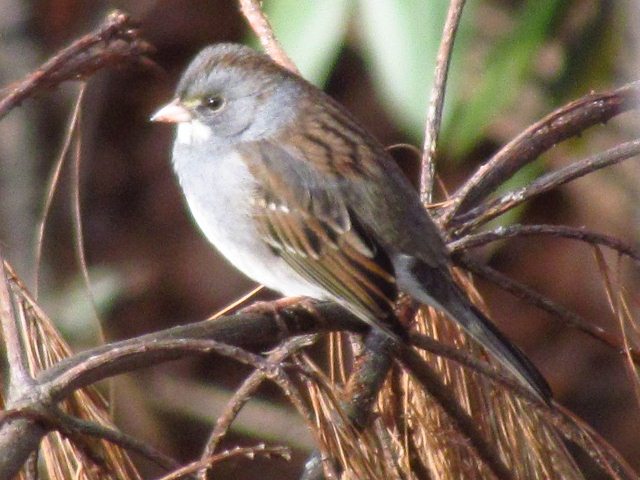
<point>563,123</point>
<point>561,231</point>
<point>116,42</point>
<point>532,297</point>
<point>71,426</point>
<point>436,103</point>
<point>509,200</point>
<point>248,452</point>
<point>260,25</point>
<point>52,184</point>
<point>243,394</point>
<point>76,215</point>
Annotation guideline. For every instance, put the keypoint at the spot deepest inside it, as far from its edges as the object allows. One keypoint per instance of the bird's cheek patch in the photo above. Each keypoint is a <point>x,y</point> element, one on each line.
<point>193,132</point>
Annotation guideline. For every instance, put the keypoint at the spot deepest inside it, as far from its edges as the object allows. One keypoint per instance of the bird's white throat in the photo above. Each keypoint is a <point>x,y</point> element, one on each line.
<point>193,132</point>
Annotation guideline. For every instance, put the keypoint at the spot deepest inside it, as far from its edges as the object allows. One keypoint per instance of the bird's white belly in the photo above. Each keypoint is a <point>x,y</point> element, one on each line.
<point>218,190</point>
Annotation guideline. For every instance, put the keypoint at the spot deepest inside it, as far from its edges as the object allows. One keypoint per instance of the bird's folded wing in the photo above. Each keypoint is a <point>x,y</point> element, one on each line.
<point>306,221</point>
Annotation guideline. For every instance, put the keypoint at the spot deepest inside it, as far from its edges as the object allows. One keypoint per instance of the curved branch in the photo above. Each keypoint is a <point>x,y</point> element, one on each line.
<point>532,297</point>
<point>434,114</point>
<point>115,42</point>
<point>561,231</point>
<point>260,25</point>
<point>563,123</point>
<point>93,368</point>
<point>484,213</point>
<point>241,330</point>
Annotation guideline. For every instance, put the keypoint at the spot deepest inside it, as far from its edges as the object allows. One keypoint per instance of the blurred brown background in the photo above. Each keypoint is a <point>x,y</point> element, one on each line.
<point>151,268</point>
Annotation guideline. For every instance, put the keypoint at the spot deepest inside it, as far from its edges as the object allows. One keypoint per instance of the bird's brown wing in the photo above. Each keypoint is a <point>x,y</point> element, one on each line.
<point>305,220</point>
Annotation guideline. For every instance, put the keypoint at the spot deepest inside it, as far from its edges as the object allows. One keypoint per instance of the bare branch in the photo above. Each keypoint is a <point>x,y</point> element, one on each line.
<point>434,115</point>
<point>71,427</point>
<point>563,123</point>
<point>532,297</point>
<point>509,200</point>
<point>260,25</point>
<point>561,231</point>
<point>247,452</point>
<point>114,43</point>
<point>243,394</point>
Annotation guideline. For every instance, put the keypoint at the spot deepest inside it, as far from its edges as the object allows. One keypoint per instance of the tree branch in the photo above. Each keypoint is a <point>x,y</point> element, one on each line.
<point>561,231</point>
<point>483,213</point>
<point>260,25</point>
<point>114,43</point>
<point>563,123</point>
<point>434,114</point>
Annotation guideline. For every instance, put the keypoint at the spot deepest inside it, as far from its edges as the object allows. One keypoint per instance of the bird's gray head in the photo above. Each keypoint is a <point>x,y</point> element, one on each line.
<point>229,94</point>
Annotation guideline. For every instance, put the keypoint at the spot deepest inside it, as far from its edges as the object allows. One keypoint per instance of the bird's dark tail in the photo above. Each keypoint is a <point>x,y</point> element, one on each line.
<point>436,287</point>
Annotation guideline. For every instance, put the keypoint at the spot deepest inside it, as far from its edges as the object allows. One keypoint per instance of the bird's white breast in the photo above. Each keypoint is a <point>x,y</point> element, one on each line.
<point>218,187</point>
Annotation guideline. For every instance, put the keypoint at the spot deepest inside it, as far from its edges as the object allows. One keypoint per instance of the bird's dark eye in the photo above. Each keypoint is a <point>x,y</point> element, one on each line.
<point>214,103</point>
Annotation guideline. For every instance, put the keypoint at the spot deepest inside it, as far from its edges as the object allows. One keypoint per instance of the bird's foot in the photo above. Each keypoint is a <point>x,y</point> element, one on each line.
<point>275,307</point>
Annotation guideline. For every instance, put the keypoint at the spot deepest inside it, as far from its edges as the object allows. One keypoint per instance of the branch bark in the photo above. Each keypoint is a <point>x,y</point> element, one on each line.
<point>114,43</point>
<point>565,122</point>
<point>434,113</point>
<point>492,209</point>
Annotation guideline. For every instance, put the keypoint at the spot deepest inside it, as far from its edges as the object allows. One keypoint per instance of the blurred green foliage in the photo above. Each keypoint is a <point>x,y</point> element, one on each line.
<point>507,67</point>
<point>311,32</point>
<point>399,41</point>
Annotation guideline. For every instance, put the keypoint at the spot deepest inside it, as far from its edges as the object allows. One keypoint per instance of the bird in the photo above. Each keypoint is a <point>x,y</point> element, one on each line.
<point>292,190</point>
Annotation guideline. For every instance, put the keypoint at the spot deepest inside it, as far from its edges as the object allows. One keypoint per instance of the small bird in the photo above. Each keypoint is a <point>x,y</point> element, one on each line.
<point>298,196</point>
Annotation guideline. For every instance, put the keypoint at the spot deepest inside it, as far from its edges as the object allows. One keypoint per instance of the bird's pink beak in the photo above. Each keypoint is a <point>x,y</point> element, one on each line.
<point>173,112</point>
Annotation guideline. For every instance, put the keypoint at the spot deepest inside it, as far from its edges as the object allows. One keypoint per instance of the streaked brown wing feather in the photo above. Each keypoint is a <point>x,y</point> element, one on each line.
<point>304,218</point>
<point>350,267</point>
